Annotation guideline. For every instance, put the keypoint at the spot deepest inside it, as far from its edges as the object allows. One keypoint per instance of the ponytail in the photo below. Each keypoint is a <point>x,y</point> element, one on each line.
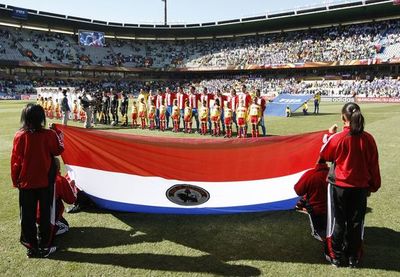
<point>352,112</point>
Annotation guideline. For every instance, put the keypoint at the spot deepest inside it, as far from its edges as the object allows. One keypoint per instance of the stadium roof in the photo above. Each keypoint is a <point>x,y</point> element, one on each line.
<point>327,15</point>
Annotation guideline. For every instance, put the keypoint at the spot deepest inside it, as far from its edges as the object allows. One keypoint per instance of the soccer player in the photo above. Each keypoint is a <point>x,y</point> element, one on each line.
<point>152,117</point>
<point>175,115</point>
<point>312,186</point>
<point>228,121</point>
<point>162,116</point>
<point>255,116</point>
<point>124,109</point>
<point>262,103</point>
<point>233,102</point>
<point>114,107</point>
<point>216,118</point>
<point>159,101</point>
<point>194,98</point>
<point>142,113</point>
<point>33,173</point>
<point>75,110</point>
<point>354,175</point>
<point>181,96</point>
<point>204,117</point>
<point>188,117</point>
<point>221,98</point>
<point>105,109</point>
<point>134,115</point>
<point>169,102</point>
<point>241,116</point>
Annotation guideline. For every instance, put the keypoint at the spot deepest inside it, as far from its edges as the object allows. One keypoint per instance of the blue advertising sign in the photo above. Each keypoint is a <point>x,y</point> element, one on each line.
<point>20,13</point>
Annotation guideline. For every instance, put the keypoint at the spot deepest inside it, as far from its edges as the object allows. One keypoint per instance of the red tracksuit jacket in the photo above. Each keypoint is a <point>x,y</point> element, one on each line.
<point>313,186</point>
<point>31,157</point>
<point>355,160</point>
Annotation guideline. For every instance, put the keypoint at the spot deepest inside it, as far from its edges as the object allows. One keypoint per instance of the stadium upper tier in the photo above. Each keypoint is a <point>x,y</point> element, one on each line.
<point>335,45</point>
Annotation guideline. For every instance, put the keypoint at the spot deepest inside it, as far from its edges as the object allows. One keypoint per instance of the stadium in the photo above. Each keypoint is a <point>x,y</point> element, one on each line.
<point>200,193</point>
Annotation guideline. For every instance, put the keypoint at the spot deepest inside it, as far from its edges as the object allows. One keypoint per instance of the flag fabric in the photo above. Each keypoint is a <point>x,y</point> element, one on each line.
<point>278,106</point>
<point>133,173</point>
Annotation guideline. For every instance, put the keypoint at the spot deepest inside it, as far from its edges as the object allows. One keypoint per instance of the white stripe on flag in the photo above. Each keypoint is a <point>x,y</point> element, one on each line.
<point>151,191</point>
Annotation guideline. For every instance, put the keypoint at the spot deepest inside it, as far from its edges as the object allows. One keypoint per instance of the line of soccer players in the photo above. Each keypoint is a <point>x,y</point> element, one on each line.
<point>213,113</point>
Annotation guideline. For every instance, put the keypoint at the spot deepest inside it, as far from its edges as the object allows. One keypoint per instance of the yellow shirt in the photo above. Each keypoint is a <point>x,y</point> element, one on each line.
<point>163,109</point>
<point>57,107</point>
<point>203,113</point>
<point>228,113</point>
<point>134,109</point>
<point>317,97</point>
<point>188,112</point>
<point>142,107</point>
<point>49,104</point>
<point>152,110</point>
<point>215,111</point>
<point>241,112</point>
<point>144,96</point>
<point>305,106</point>
<point>254,110</point>
<point>175,111</point>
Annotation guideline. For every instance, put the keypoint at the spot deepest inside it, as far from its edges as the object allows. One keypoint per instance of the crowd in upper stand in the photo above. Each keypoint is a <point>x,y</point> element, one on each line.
<point>333,44</point>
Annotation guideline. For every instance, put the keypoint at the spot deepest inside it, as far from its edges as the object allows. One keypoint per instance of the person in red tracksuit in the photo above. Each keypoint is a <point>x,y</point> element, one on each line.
<point>33,173</point>
<point>312,186</point>
<point>353,175</point>
<point>66,191</point>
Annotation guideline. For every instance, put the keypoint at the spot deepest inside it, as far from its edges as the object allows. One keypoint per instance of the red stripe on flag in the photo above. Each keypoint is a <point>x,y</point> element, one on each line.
<point>216,160</point>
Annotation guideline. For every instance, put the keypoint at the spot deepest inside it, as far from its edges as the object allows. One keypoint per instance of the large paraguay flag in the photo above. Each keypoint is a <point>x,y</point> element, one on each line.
<point>133,173</point>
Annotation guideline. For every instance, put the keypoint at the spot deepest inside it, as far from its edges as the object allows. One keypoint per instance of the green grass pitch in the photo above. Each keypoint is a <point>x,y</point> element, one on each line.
<point>104,243</point>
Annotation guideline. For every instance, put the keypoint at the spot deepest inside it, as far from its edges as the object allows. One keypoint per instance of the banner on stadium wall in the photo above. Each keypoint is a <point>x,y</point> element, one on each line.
<point>377,99</point>
<point>278,106</point>
<point>188,176</point>
<point>341,99</point>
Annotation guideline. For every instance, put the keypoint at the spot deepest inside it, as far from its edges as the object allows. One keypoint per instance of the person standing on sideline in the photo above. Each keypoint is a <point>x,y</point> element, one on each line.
<point>354,174</point>
<point>65,109</point>
<point>85,104</point>
<point>317,100</point>
<point>33,172</point>
<point>305,108</point>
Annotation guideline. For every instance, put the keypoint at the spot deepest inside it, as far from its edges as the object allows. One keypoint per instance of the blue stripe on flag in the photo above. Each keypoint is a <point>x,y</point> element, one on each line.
<point>126,207</point>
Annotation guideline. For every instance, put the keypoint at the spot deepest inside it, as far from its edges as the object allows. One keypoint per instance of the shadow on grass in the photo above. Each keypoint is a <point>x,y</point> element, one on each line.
<point>202,264</point>
<point>278,237</point>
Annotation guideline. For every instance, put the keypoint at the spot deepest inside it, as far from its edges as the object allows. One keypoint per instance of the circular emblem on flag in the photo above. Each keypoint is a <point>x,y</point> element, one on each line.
<point>187,195</point>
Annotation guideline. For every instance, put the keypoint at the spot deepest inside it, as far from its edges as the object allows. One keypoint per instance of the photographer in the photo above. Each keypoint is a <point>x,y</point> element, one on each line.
<point>86,106</point>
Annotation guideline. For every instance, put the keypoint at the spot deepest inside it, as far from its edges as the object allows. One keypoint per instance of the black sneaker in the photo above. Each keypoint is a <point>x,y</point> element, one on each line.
<point>74,209</point>
<point>32,253</point>
<point>333,262</point>
<point>46,252</point>
<point>353,262</point>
